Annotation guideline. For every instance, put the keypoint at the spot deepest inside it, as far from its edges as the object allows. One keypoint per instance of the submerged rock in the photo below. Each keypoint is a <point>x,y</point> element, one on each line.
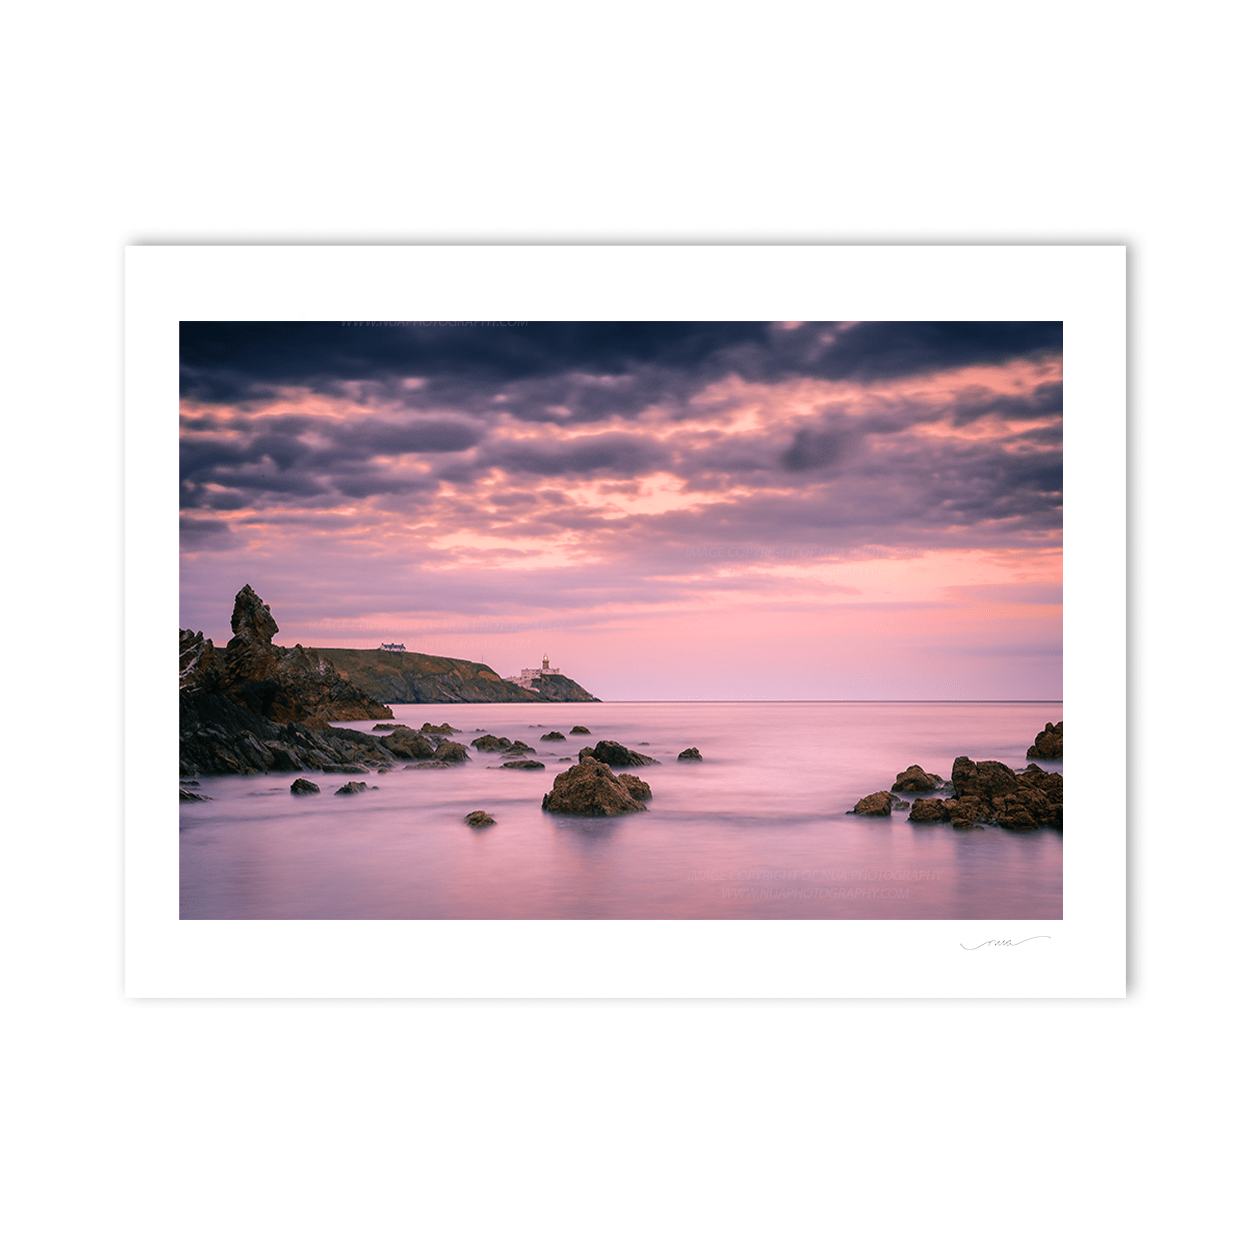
<point>1048,745</point>
<point>479,819</point>
<point>523,764</point>
<point>407,744</point>
<point>190,796</point>
<point>579,729</point>
<point>451,753</point>
<point>444,728</point>
<point>301,785</point>
<point>590,789</point>
<point>352,787</point>
<point>389,727</point>
<point>690,753</point>
<point>488,742</point>
<point>554,736</point>
<point>878,804</point>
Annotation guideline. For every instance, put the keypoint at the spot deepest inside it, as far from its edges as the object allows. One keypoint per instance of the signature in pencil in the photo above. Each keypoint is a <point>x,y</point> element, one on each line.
<point>1004,942</point>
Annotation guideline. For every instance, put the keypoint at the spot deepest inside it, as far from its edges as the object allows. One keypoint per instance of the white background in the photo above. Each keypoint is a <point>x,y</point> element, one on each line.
<point>448,1124</point>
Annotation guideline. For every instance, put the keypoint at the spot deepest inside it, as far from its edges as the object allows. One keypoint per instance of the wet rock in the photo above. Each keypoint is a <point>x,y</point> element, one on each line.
<point>479,819</point>
<point>451,753</point>
<point>519,748</point>
<point>915,780</point>
<point>389,727</point>
<point>565,759</point>
<point>554,736</point>
<point>488,742</point>
<point>617,756</point>
<point>523,764</point>
<point>928,811</point>
<point>444,728</point>
<point>407,744</point>
<point>874,805</point>
<point>301,785</point>
<point>190,796</point>
<point>352,787</point>
<point>1048,745</point>
<point>428,764</point>
<point>690,753</point>
<point>637,788</point>
<point>590,789</point>
<point>579,729</point>
<point>345,768</point>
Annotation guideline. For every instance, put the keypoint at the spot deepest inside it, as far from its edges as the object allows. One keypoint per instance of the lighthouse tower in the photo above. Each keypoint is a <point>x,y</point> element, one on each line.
<point>546,665</point>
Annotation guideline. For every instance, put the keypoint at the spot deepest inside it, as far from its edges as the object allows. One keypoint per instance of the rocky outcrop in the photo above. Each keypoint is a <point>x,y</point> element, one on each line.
<point>190,796</point>
<point>451,753</point>
<point>554,736</point>
<point>880,804</point>
<point>301,785</point>
<point>444,728</point>
<point>479,819</point>
<point>690,753</point>
<point>989,793</point>
<point>1048,745</point>
<point>523,764</point>
<point>217,736</point>
<point>915,780</point>
<point>488,742</point>
<point>352,787</point>
<point>579,729</point>
<point>617,756</point>
<point>590,789</point>
<point>407,744</point>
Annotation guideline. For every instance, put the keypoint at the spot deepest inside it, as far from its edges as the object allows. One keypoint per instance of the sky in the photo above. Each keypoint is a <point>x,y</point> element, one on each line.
<point>682,510</point>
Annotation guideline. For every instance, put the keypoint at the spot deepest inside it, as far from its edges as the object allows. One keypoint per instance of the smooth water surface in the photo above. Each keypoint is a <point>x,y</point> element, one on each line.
<point>757,830</point>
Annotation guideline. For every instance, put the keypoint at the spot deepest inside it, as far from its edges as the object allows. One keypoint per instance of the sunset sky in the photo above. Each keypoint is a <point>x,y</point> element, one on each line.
<point>732,510</point>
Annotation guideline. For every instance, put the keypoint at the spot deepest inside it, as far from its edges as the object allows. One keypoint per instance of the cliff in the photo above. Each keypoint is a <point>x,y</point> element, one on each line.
<point>410,677</point>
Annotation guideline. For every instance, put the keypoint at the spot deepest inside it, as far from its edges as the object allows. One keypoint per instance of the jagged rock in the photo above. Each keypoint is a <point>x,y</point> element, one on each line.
<point>874,805</point>
<point>190,796</point>
<point>915,780</point>
<point>989,792</point>
<point>388,727</point>
<point>579,729</point>
<point>1048,745</point>
<point>352,787</point>
<point>637,788</point>
<point>523,764</point>
<point>928,811</point>
<point>690,753</point>
<point>428,764</point>
<point>554,736</point>
<point>617,756</point>
<point>488,742</point>
<point>199,665</point>
<point>479,819</point>
<point>407,744</point>
<point>444,728</point>
<point>451,753</point>
<point>301,785</point>
<point>519,748</point>
<point>590,789</point>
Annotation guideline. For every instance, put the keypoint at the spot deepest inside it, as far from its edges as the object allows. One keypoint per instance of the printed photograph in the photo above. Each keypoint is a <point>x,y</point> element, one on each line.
<point>621,620</point>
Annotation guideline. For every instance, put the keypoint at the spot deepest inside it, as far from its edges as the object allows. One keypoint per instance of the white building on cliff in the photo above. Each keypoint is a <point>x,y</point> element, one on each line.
<point>530,675</point>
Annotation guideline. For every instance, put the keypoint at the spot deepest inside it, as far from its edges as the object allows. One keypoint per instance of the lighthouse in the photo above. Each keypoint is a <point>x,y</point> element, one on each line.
<point>546,665</point>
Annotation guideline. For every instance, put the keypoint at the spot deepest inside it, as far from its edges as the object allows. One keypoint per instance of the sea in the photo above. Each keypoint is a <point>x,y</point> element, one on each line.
<point>760,829</point>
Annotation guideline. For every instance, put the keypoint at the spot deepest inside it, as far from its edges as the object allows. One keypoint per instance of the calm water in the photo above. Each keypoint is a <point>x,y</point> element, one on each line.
<point>758,830</point>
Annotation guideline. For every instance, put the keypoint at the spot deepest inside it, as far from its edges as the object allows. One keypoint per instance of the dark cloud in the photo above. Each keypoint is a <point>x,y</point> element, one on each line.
<point>608,455</point>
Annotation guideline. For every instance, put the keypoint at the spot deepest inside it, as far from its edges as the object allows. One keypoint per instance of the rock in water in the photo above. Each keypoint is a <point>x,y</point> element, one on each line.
<point>523,764</point>
<point>488,742</point>
<point>301,785</point>
<point>690,753</point>
<point>579,729</point>
<point>590,789</point>
<point>1048,745</point>
<point>554,736</point>
<point>190,796</point>
<point>878,804</point>
<point>444,728</point>
<point>479,819</point>
<point>408,744</point>
<point>352,787</point>
<point>915,780</point>
<point>637,788</point>
<point>451,753</point>
<point>617,756</point>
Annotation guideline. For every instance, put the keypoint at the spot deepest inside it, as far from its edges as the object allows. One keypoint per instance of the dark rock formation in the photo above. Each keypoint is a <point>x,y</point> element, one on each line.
<point>488,742</point>
<point>554,736</point>
<point>407,744</point>
<point>523,764</point>
<point>518,748</point>
<point>637,788</point>
<point>690,753</point>
<point>301,785</point>
<point>989,793</point>
<point>579,729</point>
<point>190,796</point>
<point>429,764</point>
<point>387,728</point>
<point>352,787</point>
<point>874,805</point>
<point>451,753</point>
<point>590,789</point>
<point>915,780</point>
<point>444,728</point>
<point>617,756</point>
<point>1048,745</point>
<point>479,819</point>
